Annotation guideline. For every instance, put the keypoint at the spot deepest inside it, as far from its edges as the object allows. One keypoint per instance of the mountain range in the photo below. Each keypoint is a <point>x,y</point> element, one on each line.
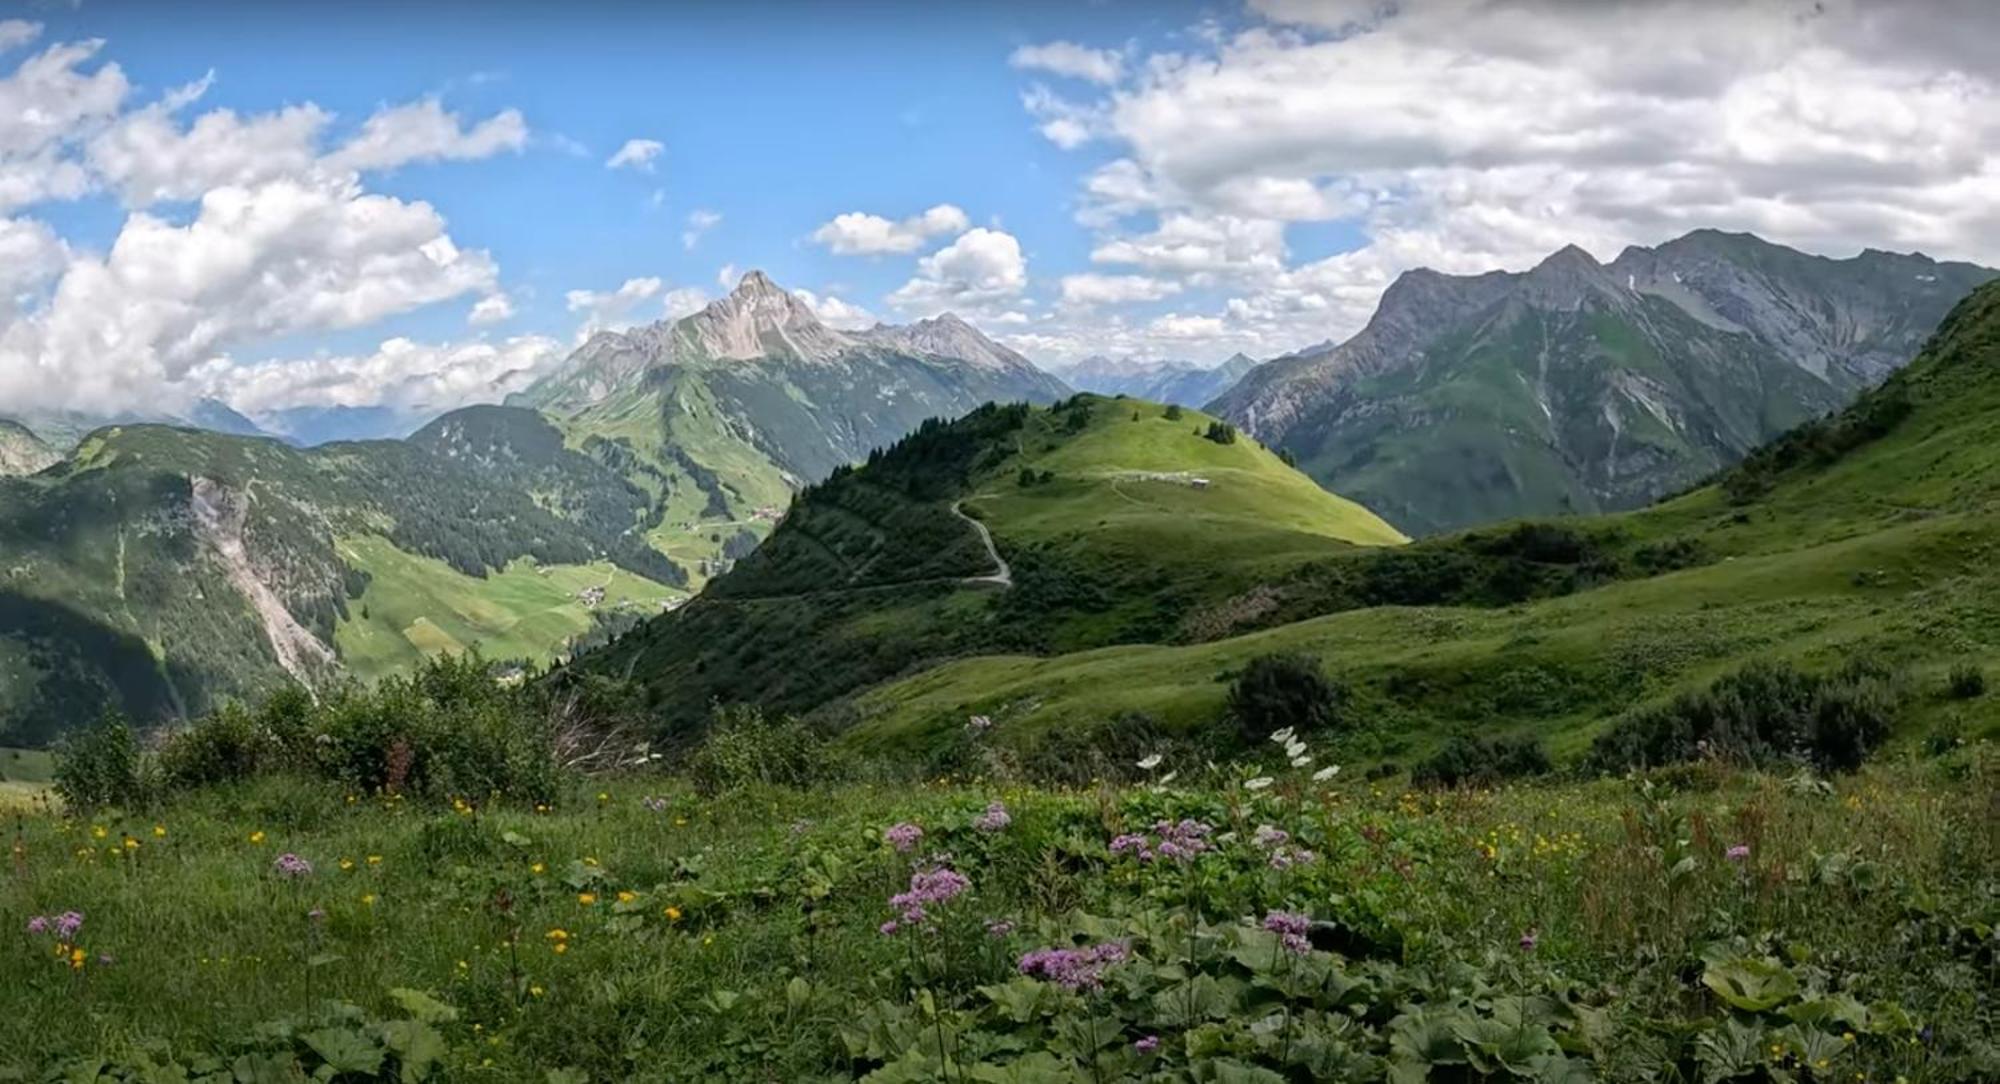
<point>162,568</point>
<point>1182,382</point>
<point>1578,387</point>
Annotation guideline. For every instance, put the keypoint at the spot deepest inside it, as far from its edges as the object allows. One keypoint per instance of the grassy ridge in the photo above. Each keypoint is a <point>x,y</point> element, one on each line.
<point>1881,544</point>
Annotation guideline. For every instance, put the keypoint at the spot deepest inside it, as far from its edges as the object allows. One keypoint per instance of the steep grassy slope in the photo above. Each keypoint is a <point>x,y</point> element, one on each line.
<point>1117,521</point>
<point>1876,533</point>
<point>160,569</point>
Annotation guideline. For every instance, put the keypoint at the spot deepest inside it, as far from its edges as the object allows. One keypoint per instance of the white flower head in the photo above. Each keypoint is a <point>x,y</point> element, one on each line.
<point>1326,773</point>
<point>1282,737</point>
<point>1301,760</point>
<point>1258,783</point>
<point>1151,762</point>
<point>1295,748</point>
<point>1169,777</point>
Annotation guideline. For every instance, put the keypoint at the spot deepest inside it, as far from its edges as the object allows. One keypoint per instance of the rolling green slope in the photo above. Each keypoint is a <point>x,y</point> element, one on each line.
<point>159,570</point>
<point>1116,521</point>
<point>1874,533</point>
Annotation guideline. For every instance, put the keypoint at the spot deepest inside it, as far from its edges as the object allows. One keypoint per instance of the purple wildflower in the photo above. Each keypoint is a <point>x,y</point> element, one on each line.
<point>1073,968</point>
<point>998,928</point>
<point>995,818</point>
<point>1529,939</point>
<point>1291,928</point>
<point>68,923</point>
<point>904,837</point>
<point>1147,1045</point>
<point>1738,853</point>
<point>1287,857</point>
<point>1270,838</point>
<point>291,866</point>
<point>38,925</point>
<point>105,959</point>
<point>889,928</point>
<point>928,888</point>
<point>1175,841</point>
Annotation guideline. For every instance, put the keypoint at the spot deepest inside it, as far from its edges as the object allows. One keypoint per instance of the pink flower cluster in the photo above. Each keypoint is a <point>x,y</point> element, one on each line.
<point>1277,844</point>
<point>928,888</point>
<point>291,866</point>
<point>1074,968</point>
<point>904,837</point>
<point>995,818</point>
<point>1175,842</point>
<point>64,926</point>
<point>1291,928</point>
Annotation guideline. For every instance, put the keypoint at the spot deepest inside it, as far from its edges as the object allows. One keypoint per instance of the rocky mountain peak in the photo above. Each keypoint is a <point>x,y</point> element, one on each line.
<point>759,319</point>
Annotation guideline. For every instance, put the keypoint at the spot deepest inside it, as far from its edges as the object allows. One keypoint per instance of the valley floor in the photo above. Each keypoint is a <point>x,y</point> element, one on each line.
<point>1705,925</point>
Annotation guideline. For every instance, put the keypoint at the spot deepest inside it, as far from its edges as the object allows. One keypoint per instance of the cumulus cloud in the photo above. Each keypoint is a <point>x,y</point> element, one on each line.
<point>15,33</point>
<point>403,374</point>
<point>698,222</point>
<point>1472,134</point>
<point>683,301</point>
<point>491,309</point>
<point>1093,289</point>
<point>856,233</point>
<point>423,131</point>
<point>833,312</point>
<point>981,267</point>
<point>47,103</point>
<point>608,308</point>
<point>636,154</point>
<point>1070,59</point>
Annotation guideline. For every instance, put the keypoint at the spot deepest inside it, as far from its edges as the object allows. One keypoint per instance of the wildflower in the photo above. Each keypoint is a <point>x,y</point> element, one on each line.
<point>1529,939</point>
<point>995,818</point>
<point>38,925</point>
<point>1073,968</point>
<point>587,899</point>
<point>98,831</point>
<point>535,991</point>
<point>1179,841</point>
<point>346,865</point>
<point>656,805</point>
<point>1291,928</point>
<point>1326,773</point>
<point>316,915</point>
<point>603,797</point>
<point>291,866</point>
<point>76,959</point>
<point>928,888</point>
<point>159,831</point>
<point>673,914</point>
<point>889,928</point>
<point>627,897</point>
<point>67,925</point>
<point>1258,783</point>
<point>1738,853</point>
<point>998,928</point>
<point>537,869</point>
<point>904,837</point>
<point>1150,762</point>
<point>1282,736</point>
<point>257,836</point>
<point>978,724</point>
<point>374,859</point>
<point>1269,837</point>
<point>1147,1045</point>
<point>368,899</point>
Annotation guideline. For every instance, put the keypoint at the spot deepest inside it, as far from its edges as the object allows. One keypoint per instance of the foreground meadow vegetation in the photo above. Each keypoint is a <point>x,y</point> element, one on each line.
<point>1703,923</point>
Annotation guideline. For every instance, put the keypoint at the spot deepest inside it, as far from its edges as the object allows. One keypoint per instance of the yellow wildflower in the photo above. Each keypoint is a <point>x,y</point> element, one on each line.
<point>159,831</point>
<point>368,900</point>
<point>374,859</point>
<point>537,869</point>
<point>257,836</point>
<point>673,914</point>
<point>627,897</point>
<point>588,899</point>
<point>98,831</point>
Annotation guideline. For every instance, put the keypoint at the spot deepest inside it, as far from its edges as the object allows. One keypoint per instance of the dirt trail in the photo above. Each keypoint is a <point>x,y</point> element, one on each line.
<point>1004,576</point>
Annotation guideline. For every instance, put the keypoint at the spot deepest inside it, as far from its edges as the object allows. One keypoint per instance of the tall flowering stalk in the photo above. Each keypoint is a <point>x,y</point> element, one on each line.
<point>917,913</point>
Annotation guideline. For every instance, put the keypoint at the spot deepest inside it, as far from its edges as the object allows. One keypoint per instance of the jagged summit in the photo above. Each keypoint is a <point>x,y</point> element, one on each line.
<point>760,319</point>
<point>947,336</point>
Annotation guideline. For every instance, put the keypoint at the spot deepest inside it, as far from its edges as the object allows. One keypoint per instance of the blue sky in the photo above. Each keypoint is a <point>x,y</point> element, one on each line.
<point>416,205</point>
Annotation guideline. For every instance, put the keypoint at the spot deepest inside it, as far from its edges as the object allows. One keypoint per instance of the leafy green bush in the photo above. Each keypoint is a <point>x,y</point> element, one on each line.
<point>1481,760</point>
<point>744,748</point>
<point>1173,413</point>
<point>1766,713</point>
<point>1282,690</point>
<point>1966,682</point>
<point>224,747</point>
<point>1221,433</point>
<point>99,766</point>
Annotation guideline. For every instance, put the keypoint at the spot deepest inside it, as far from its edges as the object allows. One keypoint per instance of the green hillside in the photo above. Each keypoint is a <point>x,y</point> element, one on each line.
<point>1118,521</point>
<point>159,570</point>
<point>1873,534</point>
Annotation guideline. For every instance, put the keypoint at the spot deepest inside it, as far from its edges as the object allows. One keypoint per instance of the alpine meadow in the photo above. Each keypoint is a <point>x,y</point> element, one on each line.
<point>1443,541</point>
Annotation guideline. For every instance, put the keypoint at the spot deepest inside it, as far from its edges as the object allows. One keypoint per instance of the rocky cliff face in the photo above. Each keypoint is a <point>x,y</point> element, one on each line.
<point>1580,386</point>
<point>21,451</point>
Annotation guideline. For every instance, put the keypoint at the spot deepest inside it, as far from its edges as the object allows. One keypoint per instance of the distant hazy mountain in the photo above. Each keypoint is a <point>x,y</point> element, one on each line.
<point>309,426</point>
<point>1579,386</point>
<point>61,429</point>
<point>1183,382</point>
<point>724,414</point>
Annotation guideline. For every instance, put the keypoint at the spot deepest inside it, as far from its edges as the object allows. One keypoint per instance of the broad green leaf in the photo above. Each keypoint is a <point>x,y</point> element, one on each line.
<point>345,1050</point>
<point>418,1047</point>
<point>1751,984</point>
<point>422,1006</point>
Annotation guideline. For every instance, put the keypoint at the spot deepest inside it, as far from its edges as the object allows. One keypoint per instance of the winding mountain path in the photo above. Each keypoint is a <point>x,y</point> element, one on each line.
<point>1005,575</point>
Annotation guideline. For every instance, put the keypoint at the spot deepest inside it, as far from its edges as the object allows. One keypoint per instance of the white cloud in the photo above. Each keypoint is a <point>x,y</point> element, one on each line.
<point>254,263</point>
<point>698,222</point>
<point>1094,289</point>
<point>15,33</point>
<point>422,131</point>
<point>1070,59</point>
<point>491,309</point>
<point>46,103</point>
<point>149,157</point>
<point>833,312</point>
<point>725,276</point>
<point>636,154</point>
<point>683,301</point>
<point>403,374</point>
<point>857,233</point>
<point>981,267</point>
<point>609,308</point>
<point>1473,134</point>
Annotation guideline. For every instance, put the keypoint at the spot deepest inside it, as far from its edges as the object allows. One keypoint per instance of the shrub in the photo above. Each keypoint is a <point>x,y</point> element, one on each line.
<point>99,766</point>
<point>1076,756</point>
<point>1282,690</point>
<point>743,748</point>
<point>1966,682</point>
<point>1481,760</point>
<point>1221,433</point>
<point>1766,713</point>
<point>1173,412</point>
<point>224,747</point>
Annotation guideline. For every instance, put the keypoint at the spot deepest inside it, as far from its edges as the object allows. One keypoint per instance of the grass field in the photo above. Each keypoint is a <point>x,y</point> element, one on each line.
<point>416,606</point>
<point>1727,927</point>
<point>24,776</point>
